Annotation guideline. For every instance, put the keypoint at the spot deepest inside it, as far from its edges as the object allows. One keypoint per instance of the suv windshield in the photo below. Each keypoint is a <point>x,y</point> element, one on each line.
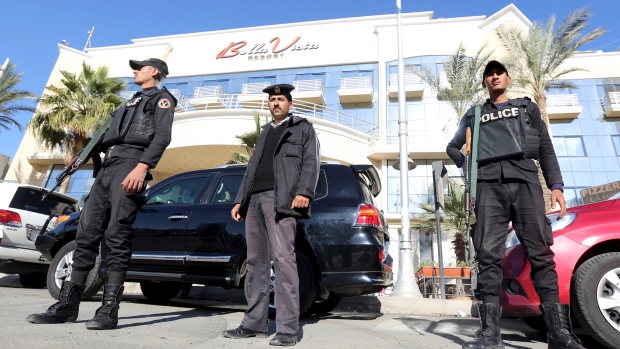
<point>30,200</point>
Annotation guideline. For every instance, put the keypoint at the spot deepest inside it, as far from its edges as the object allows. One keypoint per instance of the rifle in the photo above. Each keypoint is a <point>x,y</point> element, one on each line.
<point>468,202</point>
<point>90,150</point>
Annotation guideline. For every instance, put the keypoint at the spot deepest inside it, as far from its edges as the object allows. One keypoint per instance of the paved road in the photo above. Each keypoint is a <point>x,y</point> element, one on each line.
<point>199,323</point>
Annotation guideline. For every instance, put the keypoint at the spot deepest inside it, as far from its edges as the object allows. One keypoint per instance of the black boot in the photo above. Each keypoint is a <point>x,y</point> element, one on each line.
<point>65,310</point>
<point>489,335</point>
<point>106,317</point>
<point>559,328</point>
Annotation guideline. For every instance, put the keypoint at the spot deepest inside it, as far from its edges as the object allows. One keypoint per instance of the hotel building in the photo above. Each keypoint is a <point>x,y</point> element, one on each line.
<point>345,74</point>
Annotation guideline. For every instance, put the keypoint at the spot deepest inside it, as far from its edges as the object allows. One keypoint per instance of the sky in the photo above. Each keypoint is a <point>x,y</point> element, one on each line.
<point>31,29</point>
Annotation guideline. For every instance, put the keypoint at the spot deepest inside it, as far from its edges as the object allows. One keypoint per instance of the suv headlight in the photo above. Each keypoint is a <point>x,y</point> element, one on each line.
<point>556,224</point>
<point>559,224</point>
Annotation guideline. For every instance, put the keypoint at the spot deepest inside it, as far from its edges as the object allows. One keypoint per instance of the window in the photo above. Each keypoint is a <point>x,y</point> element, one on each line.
<point>30,200</point>
<point>569,146</point>
<point>182,191</point>
<point>226,190</point>
<point>80,182</point>
<point>616,140</point>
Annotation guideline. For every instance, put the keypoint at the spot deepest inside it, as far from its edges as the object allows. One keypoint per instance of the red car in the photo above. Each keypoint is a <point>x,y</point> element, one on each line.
<point>587,257</point>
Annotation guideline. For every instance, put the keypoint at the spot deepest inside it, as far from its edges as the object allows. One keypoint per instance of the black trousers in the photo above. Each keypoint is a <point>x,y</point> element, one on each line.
<point>498,203</point>
<point>268,235</point>
<point>107,207</point>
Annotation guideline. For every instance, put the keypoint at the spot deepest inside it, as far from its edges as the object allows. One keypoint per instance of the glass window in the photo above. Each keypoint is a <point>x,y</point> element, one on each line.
<point>80,181</point>
<point>30,200</point>
<point>226,190</point>
<point>182,191</point>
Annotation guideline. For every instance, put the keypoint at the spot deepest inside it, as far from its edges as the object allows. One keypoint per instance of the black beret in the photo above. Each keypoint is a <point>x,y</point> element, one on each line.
<point>492,64</point>
<point>280,89</point>
<point>151,62</point>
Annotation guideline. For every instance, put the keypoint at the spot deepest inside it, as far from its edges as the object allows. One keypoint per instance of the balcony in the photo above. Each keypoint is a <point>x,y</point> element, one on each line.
<point>127,95</point>
<point>356,90</point>
<point>414,86</point>
<point>206,97</point>
<point>421,144</point>
<point>45,156</point>
<point>611,104</point>
<point>563,107</point>
<point>309,91</point>
<point>182,101</point>
<point>253,93</point>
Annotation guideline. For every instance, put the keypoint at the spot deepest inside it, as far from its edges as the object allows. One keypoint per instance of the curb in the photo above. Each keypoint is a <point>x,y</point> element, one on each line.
<point>407,305</point>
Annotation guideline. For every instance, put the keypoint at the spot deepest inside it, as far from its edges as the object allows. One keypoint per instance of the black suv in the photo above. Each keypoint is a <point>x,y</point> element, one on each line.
<point>184,233</point>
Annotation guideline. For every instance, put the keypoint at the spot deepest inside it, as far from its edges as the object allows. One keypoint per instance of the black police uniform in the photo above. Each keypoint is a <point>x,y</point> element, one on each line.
<point>140,132</point>
<point>508,190</point>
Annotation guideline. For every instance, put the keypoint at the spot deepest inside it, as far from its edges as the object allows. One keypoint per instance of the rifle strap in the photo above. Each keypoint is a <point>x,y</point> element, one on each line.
<point>474,154</point>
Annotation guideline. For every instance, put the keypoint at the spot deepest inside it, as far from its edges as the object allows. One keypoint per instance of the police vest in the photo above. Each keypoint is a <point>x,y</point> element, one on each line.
<point>507,133</point>
<point>131,124</point>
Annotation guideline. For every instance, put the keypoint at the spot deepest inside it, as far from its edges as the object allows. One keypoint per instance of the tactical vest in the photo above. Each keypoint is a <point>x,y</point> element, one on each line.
<point>507,133</point>
<point>131,124</point>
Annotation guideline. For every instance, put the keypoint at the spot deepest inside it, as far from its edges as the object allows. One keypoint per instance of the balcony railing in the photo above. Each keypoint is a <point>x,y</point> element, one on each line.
<point>355,83</point>
<point>410,79</point>
<point>300,107</point>
<point>254,88</point>
<point>563,100</point>
<point>127,95</point>
<point>415,137</point>
<point>309,86</point>
<point>611,104</point>
<point>208,91</point>
<point>182,101</point>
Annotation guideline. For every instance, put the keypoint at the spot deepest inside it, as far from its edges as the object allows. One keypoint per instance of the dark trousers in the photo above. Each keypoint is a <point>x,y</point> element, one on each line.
<point>107,207</point>
<point>498,203</point>
<point>269,235</point>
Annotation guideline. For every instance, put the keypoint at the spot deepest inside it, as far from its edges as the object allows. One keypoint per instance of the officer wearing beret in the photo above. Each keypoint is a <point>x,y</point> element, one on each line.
<point>134,143</point>
<point>512,135</point>
<point>276,190</point>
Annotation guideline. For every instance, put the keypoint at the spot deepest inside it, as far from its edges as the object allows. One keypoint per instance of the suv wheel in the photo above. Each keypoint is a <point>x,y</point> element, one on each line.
<point>160,291</point>
<point>599,315</point>
<point>307,286</point>
<point>33,280</point>
<point>60,269</point>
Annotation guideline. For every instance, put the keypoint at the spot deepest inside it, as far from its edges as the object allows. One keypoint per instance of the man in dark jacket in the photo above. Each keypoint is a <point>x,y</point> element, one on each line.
<point>276,190</point>
<point>512,135</point>
<point>134,143</point>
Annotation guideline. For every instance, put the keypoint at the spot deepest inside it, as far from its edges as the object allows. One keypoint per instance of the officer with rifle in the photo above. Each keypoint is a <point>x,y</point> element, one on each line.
<point>508,135</point>
<point>138,134</point>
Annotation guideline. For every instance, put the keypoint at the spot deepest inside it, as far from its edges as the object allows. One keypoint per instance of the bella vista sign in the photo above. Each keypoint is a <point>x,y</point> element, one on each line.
<point>262,51</point>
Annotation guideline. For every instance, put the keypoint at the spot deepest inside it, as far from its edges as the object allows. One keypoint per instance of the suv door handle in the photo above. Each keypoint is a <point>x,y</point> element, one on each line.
<point>177,217</point>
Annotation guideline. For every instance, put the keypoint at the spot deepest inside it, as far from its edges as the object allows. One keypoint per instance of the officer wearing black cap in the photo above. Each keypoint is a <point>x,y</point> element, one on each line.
<point>276,190</point>
<point>512,135</point>
<point>134,143</point>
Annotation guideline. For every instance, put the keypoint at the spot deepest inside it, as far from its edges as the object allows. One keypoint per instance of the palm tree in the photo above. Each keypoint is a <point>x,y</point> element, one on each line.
<point>452,220</point>
<point>536,58</point>
<point>73,110</point>
<point>248,141</point>
<point>10,98</point>
<point>464,77</point>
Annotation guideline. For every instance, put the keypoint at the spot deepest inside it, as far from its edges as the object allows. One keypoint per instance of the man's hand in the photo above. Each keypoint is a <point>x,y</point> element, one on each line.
<point>234,213</point>
<point>557,197</point>
<point>135,179</point>
<point>300,201</point>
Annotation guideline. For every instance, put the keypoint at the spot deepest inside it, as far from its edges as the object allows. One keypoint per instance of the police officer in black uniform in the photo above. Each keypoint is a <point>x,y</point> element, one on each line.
<point>134,144</point>
<point>512,135</point>
<point>276,190</point>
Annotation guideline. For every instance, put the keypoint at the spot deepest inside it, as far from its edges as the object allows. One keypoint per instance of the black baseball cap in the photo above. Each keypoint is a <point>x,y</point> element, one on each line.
<point>280,89</point>
<point>151,62</point>
<point>494,64</point>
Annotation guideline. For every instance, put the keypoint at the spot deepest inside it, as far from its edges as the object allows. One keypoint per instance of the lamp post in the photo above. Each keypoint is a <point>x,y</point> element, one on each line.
<point>405,285</point>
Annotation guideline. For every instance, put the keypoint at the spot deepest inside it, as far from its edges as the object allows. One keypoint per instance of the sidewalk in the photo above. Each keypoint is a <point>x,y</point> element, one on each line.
<point>360,304</point>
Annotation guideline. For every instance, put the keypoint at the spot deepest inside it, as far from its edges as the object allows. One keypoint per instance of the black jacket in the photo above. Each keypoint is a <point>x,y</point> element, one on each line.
<point>160,109</point>
<point>514,168</point>
<point>296,166</point>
